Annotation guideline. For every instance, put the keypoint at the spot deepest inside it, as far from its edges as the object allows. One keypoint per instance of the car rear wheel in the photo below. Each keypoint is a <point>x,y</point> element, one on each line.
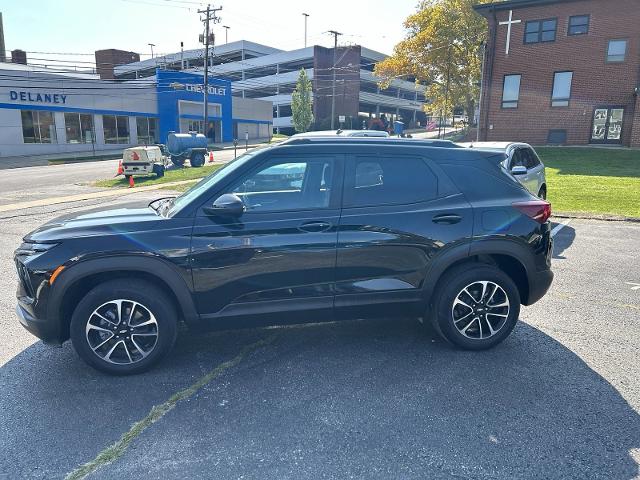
<point>476,307</point>
<point>123,329</point>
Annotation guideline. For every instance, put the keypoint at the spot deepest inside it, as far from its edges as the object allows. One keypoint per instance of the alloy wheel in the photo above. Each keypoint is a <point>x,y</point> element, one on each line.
<point>480,310</point>
<point>122,332</point>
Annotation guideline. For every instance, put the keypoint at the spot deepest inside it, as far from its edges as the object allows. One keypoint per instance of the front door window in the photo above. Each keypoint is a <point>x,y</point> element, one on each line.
<point>607,125</point>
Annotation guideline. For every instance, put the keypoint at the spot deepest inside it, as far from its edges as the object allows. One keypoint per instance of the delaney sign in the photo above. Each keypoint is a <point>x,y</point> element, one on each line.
<point>25,96</point>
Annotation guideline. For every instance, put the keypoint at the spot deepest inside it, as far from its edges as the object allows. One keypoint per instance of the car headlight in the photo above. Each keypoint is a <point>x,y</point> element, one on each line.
<point>28,249</point>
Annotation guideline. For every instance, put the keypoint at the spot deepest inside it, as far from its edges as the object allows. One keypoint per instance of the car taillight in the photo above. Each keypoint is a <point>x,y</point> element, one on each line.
<point>539,210</point>
<point>135,156</point>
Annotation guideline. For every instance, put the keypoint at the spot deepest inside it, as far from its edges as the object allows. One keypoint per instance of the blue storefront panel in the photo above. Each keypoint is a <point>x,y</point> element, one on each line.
<point>173,87</point>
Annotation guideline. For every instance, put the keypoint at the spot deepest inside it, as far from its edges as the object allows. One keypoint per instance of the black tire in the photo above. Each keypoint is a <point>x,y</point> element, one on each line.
<point>543,193</point>
<point>471,276</point>
<point>178,161</point>
<point>158,170</point>
<point>150,300</point>
<point>197,160</point>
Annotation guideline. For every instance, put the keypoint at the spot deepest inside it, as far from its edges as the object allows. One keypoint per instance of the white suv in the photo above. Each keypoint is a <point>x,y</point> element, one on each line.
<point>522,161</point>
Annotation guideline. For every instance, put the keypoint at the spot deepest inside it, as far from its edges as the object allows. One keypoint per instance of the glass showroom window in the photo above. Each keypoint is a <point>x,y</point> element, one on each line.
<point>561,89</point>
<point>79,128</point>
<point>38,127</point>
<point>116,129</point>
<point>147,130</point>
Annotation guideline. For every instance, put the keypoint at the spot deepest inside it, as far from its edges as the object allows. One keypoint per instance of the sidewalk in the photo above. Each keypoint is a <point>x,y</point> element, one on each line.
<point>116,154</point>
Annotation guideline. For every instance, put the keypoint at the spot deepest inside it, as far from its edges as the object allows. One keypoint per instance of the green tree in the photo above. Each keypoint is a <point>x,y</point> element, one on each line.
<point>442,51</point>
<point>302,104</point>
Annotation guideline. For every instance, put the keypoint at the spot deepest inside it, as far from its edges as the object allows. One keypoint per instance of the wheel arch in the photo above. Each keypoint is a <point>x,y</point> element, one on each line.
<point>78,280</point>
<point>506,255</point>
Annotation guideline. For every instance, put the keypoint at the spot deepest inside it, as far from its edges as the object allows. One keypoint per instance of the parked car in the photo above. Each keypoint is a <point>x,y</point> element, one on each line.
<point>343,133</point>
<point>522,161</point>
<point>310,230</point>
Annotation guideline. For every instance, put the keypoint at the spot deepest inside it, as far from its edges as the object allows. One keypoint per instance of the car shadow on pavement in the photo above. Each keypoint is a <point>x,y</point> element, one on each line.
<point>562,241</point>
<point>368,399</point>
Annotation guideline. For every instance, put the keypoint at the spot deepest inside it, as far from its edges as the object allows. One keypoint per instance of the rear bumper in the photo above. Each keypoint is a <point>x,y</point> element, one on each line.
<point>45,330</point>
<point>539,283</point>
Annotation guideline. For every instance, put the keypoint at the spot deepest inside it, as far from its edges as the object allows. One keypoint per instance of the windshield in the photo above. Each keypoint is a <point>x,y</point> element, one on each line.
<point>206,183</point>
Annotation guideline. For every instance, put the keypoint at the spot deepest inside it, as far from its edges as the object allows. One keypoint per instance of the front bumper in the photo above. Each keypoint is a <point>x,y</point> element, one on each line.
<point>47,331</point>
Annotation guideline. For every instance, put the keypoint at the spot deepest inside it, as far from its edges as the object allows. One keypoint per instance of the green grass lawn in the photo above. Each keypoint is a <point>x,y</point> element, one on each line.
<point>593,180</point>
<point>177,175</point>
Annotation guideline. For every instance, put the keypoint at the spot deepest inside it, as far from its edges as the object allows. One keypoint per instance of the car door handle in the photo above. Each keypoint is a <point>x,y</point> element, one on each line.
<point>315,227</point>
<point>447,219</point>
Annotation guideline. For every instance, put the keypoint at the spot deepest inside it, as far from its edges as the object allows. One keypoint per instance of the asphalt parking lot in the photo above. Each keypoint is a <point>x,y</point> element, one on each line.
<point>363,399</point>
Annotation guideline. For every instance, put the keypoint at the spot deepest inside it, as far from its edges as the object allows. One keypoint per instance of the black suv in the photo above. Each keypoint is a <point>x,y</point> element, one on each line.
<point>312,230</point>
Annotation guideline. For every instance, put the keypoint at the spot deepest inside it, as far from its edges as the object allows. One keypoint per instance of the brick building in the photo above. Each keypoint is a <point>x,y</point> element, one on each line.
<point>562,72</point>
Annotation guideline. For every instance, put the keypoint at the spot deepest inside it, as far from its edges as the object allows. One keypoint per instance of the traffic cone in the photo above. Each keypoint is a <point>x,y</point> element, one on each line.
<point>211,156</point>
<point>120,169</point>
<point>131,184</point>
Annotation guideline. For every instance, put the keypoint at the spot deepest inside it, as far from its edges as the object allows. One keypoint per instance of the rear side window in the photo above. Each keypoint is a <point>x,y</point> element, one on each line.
<point>373,181</point>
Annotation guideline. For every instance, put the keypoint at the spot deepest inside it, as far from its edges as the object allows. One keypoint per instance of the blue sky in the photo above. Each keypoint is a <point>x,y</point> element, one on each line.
<point>82,26</point>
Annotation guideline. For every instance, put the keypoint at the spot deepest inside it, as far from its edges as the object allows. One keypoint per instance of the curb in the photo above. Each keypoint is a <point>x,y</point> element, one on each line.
<point>601,217</point>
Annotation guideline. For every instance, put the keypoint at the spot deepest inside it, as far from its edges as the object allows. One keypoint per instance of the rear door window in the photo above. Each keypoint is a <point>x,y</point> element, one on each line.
<point>373,181</point>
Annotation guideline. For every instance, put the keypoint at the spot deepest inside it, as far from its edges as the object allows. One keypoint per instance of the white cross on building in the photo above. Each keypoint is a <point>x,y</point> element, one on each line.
<point>509,22</point>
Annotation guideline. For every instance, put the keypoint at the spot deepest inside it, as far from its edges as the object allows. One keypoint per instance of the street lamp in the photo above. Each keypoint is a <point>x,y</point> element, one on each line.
<point>226,33</point>
<point>151,45</point>
<point>305,15</point>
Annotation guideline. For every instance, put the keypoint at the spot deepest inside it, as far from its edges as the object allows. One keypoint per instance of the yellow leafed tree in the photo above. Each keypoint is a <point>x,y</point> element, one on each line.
<point>442,51</point>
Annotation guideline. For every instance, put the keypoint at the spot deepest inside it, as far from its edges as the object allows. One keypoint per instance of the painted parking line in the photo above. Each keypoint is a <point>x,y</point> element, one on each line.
<point>115,451</point>
<point>560,226</point>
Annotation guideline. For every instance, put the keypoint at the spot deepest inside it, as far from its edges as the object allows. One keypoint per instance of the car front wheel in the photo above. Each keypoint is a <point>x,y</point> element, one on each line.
<point>123,328</point>
<point>476,307</point>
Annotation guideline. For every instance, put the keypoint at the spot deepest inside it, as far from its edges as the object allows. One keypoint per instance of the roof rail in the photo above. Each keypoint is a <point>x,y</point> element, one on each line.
<point>373,140</point>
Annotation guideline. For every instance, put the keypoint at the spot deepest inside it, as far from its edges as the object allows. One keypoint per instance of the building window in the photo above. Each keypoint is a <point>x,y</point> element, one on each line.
<point>540,31</point>
<point>116,129</point>
<point>561,89</point>
<point>616,51</point>
<point>147,130</point>
<point>79,128</point>
<point>38,127</point>
<point>511,91</point>
<point>578,25</point>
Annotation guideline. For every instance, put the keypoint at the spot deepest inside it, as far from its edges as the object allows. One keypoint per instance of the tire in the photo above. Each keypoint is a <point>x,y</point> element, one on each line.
<point>154,320</point>
<point>127,177</point>
<point>197,160</point>
<point>490,322</point>
<point>178,161</point>
<point>543,193</point>
<point>158,170</point>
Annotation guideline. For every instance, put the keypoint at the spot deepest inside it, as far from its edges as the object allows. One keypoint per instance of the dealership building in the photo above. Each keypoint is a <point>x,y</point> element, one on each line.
<point>261,72</point>
<point>63,114</point>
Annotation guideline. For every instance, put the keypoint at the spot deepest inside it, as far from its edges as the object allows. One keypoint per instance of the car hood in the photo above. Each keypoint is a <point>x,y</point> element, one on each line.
<point>97,222</point>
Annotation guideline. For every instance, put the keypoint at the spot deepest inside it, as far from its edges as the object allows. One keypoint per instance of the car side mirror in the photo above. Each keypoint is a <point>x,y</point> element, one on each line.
<point>519,170</point>
<point>226,205</point>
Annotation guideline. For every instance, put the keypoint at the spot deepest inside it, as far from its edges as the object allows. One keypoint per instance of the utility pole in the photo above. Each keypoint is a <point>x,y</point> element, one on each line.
<point>210,16</point>
<point>306,15</point>
<point>333,83</point>
<point>483,46</point>
<point>181,56</point>
<point>151,45</point>
<point>226,33</point>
